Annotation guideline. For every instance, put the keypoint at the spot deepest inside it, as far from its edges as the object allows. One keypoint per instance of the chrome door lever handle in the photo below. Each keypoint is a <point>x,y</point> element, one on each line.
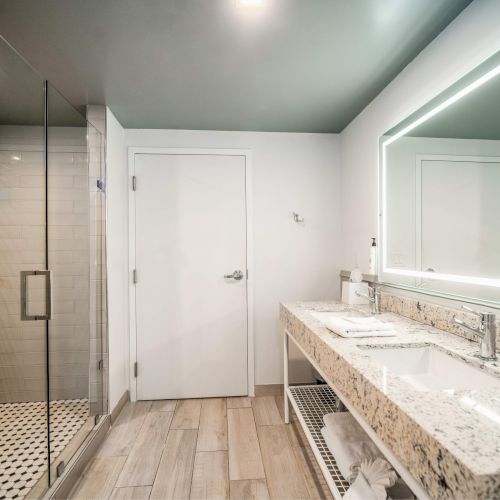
<point>237,275</point>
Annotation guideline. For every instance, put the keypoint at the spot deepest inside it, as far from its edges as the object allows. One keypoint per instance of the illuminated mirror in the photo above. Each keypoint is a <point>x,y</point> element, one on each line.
<point>440,192</point>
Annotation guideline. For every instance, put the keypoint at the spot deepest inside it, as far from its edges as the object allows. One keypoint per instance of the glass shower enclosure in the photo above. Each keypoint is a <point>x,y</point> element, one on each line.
<point>52,280</point>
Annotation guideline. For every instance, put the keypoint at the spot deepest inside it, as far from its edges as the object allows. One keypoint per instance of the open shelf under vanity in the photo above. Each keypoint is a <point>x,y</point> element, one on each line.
<point>311,403</point>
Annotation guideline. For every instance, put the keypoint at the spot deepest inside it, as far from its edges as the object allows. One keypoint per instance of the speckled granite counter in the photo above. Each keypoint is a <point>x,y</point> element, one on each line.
<point>448,442</point>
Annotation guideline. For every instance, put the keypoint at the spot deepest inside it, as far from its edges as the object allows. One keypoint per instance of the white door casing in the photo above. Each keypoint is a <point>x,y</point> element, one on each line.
<point>191,329</point>
<point>464,213</point>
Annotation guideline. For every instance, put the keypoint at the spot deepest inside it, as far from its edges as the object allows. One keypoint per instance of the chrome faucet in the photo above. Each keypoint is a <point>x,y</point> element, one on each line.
<point>373,296</point>
<point>487,332</point>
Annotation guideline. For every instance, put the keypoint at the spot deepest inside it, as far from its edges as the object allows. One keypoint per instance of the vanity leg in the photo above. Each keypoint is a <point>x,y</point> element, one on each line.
<point>285,377</point>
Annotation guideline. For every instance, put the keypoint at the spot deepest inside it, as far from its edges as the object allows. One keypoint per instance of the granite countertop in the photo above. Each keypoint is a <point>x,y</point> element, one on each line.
<point>449,441</point>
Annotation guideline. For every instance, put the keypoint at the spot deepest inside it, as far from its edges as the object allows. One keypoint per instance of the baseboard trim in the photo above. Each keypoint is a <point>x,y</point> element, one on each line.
<point>115,412</point>
<point>269,390</point>
<point>64,484</point>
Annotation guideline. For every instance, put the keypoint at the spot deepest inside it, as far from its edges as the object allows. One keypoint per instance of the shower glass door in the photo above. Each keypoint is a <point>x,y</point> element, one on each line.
<point>23,297</point>
<point>52,280</point>
<point>74,242</point>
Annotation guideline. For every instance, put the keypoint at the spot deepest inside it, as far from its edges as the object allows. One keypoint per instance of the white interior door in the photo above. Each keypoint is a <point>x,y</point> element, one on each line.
<point>191,321</point>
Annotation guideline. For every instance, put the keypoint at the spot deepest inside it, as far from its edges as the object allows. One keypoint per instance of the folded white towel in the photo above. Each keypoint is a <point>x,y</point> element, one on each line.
<point>369,322</point>
<point>359,327</point>
<point>359,324</point>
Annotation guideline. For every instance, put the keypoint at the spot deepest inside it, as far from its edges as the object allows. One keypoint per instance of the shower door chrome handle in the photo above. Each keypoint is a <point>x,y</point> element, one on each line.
<point>24,296</point>
<point>237,275</point>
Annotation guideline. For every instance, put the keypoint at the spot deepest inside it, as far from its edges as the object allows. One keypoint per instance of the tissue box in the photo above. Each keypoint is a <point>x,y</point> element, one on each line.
<point>349,290</point>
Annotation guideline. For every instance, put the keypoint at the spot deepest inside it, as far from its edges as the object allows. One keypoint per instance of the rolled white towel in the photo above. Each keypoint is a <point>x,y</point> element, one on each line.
<point>380,476</point>
<point>349,454</point>
<point>372,481</point>
<point>348,443</point>
<point>344,427</point>
<point>358,327</point>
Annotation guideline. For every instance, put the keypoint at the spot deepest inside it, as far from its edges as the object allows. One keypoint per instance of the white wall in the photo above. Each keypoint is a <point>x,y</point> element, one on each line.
<point>299,172</point>
<point>291,172</point>
<point>465,43</point>
<point>117,258</point>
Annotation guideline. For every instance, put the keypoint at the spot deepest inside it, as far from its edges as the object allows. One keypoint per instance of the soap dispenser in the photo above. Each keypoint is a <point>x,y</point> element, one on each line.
<point>372,263</point>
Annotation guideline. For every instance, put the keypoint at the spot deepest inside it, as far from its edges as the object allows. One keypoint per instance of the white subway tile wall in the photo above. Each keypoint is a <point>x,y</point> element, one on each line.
<point>69,260</point>
<point>22,247</point>
<point>75,229</point>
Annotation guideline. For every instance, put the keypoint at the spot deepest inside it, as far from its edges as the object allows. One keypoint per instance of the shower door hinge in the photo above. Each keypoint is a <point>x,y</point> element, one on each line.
<point>135,369</point>
<point>101,185</point>
<point>134,276</point>
<point>100,364</point>
<point>60,469</point>
<point>134,183</point>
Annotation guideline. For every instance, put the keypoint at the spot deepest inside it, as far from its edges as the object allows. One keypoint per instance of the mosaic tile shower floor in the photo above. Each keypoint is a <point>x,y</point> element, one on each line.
<point>23,440</point>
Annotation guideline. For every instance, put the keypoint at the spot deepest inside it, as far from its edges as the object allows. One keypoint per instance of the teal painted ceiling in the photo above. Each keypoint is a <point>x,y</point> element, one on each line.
<point>475,116</point>
<point>290,65</point>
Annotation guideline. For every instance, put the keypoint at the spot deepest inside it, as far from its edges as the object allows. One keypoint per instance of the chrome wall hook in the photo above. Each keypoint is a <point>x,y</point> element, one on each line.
<point>298,218</point>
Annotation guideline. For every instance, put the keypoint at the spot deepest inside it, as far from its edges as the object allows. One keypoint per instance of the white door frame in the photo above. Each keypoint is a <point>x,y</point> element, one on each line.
<point>132,151</point>
<point>419,159</point>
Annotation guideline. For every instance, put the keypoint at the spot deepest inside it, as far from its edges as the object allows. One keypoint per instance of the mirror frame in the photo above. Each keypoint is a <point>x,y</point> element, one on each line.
<point>464,86</point>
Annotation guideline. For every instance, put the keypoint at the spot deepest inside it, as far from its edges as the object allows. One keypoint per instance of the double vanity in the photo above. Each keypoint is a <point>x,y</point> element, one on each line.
<point>423,396</point>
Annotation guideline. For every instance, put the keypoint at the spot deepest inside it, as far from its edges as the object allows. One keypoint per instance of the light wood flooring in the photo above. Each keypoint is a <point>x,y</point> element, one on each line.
<point>236,448</point>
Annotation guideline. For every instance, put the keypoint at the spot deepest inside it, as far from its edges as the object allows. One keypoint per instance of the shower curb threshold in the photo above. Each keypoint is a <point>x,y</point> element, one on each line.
<point>73,471</point>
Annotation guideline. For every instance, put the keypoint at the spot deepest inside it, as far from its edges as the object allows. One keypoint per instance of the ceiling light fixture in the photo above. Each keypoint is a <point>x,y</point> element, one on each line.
<point>251,3</point>
<point>15,157</point>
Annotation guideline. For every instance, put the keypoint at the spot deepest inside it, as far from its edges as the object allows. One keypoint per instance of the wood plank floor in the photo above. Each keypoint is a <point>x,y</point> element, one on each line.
<point>237,448</point>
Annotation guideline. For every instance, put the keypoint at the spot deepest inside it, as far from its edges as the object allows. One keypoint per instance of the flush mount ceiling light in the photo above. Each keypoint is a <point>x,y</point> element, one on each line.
<point>15,157</point>
<point>251,3</point>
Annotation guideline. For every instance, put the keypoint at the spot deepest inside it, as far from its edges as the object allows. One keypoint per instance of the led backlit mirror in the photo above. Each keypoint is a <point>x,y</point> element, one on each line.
<point>440,192</point>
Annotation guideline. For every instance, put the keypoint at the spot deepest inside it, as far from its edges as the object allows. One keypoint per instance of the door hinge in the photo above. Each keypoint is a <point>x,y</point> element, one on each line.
<point>60,469</point>
<point>97,418</point>
<point>134,276</point>
<point>134,183</point>
<point>135,369</point>
<point>100,364</point>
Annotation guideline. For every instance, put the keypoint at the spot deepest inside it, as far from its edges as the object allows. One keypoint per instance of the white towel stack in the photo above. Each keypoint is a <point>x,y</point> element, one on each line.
<point>348,443</point>
<point>355,327</point>
<point>360,461</point>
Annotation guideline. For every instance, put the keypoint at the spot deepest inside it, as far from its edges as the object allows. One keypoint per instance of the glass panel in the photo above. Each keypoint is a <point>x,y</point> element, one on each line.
<point>75,380</point>
<point>23,352</point>
<point>98,307</point>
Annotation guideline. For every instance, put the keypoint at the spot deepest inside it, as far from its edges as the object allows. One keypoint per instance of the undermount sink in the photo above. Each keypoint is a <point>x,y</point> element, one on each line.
<point>429,369</point>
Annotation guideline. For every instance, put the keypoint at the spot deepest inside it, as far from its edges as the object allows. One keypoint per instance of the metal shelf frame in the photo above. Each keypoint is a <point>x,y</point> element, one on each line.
<point>311,403</point>
<point>305,407</point>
